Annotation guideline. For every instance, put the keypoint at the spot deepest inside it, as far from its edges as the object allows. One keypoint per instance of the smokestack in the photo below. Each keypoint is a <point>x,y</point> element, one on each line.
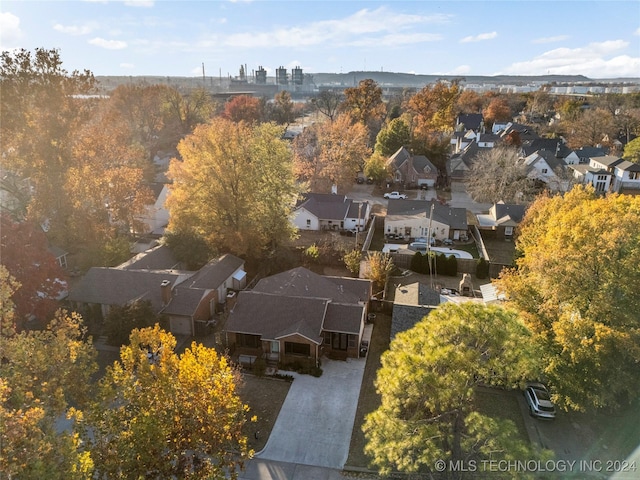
<point>165,289</point>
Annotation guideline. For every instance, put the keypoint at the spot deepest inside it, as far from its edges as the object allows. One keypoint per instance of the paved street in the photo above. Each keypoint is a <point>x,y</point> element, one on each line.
<point>260,469</point>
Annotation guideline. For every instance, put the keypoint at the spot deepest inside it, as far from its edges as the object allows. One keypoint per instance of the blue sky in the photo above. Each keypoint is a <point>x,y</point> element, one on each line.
<point>599,39</point>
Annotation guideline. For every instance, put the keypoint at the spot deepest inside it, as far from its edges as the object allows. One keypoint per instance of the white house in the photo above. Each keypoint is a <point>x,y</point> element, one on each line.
<point>156,217</point>
<point>600,178</point>
<point>546,167</point>
<point>626,178</point>
<point>408,219</point>
<point>320,211</point>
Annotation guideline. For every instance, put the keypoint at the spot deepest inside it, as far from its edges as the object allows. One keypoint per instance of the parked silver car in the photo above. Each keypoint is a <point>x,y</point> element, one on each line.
<point>539,401</point>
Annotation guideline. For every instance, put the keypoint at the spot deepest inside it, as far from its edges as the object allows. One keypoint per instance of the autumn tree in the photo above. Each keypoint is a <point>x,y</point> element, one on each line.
<point>498,110</point>
<point>433,108</point>
<point>121,320</point>
<point>24,253</point>
<point>40,109</point>
<point>468,102</point>
<point>327,103</point>
<point>183,112</point>
<point>575,284</point>
<point>282,110</point>
<point>592,127</point>
<point>234,187</point>
<point>379,268</point>
<point>330,153</point>
<point>244,108</point>
<point>364,105</point>
<point>158,414</point>
<point>428,387</point>
<point>499,175</point>
<point>392,136</point>
<point>41,374</point>
<point>632,151</point>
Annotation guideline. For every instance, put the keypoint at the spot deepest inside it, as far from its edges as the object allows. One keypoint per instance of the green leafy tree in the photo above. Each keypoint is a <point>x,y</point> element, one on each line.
<point>234,187</point>
<point>162,415</point>
<point>121,320</point>
<point>427,385</point>
<point>376,167</point>
<point>632,151</point>
<point>41,374</point>
<point>189,248</point>
<point>392,136</point>
<point>575,284</point>
<point>282,111</point>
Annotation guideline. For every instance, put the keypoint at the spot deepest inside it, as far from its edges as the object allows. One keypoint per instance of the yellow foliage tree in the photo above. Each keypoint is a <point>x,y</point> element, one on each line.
<point>162,415</point>
<point>234,187</point>
<point>576,285</point>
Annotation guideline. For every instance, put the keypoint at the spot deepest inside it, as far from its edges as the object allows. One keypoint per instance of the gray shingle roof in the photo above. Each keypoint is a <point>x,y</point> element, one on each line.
<point>455,217</point>
<point>628,166</point>
<point>276,316</point>
<point>607,160</point>
<point>343,318</point>
<point>184,301</point>
<point>502,210</point>
<point>470,121</point>
<point>397,159</point>
<point>111,286</point>
<point>326,206</point>
<point>216,272</point>
<point>301,282</point>
<point>158,258</point>
<point>406,316</point>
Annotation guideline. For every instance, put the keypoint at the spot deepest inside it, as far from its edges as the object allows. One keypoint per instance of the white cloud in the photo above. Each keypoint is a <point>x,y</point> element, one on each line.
<point>127,66</point>
<point>139,3</point>
<point>557,38</point>
<point>637,32</point>
<point>75,29</point>
<point>596,60</point>
<point>348,31</point>
<point>108,44</point>
<point>479,38</point>
<point>10,33</point>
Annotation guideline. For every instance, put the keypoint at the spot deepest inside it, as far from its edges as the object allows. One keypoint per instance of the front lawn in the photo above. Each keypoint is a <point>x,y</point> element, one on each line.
<point>265,397</point>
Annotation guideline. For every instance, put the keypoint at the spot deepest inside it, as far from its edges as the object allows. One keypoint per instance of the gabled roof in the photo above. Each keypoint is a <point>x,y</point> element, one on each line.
<point>215,273</point>
<point>423,165</point>
<point>276,316</point>
<point>326,206</point>
<point>503,212</point>
<point>301,282</point>
<point>588,152</point>
<point>355,211</point>
<point>607,160</point>
<point>555,145</point>
<point>112,286</point>
<point>628,166</point>
<point>397,159</point>
<point>157,258</point>
<point>470,121</point>
<point>549,157</point>
<point>184,301</point>
<point>455,217</point>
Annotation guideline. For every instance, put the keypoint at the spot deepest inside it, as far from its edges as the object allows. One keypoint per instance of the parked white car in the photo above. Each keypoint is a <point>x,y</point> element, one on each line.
<point>395,195</point>
<point>539,401</point>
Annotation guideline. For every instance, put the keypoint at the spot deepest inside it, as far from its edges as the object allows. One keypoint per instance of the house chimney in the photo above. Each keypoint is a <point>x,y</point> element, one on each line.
<point>165,289</point>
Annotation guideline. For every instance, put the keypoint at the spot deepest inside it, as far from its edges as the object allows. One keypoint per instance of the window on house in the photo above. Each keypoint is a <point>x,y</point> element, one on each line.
<point>544,170</point>
<point>248,341</point>
<point>308,222</point>
<point>634,175</point>
<point>292,348</point>
<point>352,341</point>
<point>327,338</point>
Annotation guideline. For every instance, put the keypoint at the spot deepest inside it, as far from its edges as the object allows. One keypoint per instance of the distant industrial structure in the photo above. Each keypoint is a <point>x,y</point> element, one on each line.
<point>259,83</point>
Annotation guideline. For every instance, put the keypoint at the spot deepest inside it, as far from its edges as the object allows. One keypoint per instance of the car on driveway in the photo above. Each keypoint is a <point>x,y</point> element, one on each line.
<point>539,401</point>
<point>394,195</point>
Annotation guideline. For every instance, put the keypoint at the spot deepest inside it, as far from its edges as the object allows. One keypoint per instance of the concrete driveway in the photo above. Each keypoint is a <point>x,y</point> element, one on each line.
<point>315,422</point>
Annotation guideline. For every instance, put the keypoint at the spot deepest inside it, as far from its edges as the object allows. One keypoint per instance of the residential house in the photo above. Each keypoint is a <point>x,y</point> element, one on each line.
<point>299,315</point>
<point>412,170</point>
<point>188,299</point>
<point>599,178</point>
<point>411,304</point>
<point>156,217</point>
<point>322,211</point>
<point>59,254</point>
<point>626,178</point>
<point>584,154</point>
<point>410,219</point>
<point>545,167</point>
<point>501,221</point>
<point>470,121</point>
